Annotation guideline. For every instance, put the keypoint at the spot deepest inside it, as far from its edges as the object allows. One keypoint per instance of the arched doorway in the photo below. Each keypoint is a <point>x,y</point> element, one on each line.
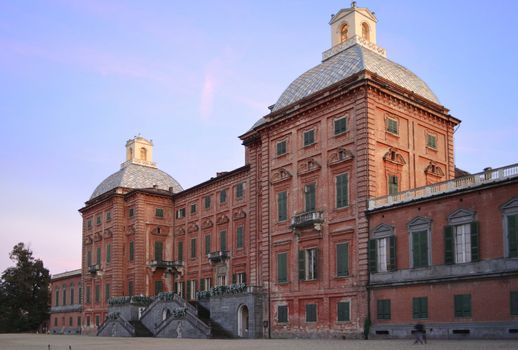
<point>242,321</point>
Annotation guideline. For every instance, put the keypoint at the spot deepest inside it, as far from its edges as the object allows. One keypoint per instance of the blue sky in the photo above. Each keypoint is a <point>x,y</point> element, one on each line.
<point>79,78</point>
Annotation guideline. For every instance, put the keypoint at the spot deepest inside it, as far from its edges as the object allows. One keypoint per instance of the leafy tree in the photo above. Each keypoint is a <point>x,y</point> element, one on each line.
<point>24,292</point>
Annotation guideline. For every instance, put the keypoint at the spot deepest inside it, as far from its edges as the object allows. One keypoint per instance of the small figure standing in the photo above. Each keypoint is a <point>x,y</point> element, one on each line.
<point>420,334</point>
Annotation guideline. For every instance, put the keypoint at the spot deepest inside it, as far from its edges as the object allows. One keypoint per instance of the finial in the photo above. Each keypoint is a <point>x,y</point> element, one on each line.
<point>353,4</point>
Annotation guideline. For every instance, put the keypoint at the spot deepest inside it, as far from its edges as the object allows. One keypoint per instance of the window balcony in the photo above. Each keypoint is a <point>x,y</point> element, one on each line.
<point>218,256</point>
<point>93,269</point>
<point>310,218</point>
<point>166,265</point>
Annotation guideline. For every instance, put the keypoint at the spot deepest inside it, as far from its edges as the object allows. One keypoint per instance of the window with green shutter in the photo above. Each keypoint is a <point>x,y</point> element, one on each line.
<point>392,126</point>
<point>180,250</point>
<point>309,137</point>
<point>223,240</point>
<point>514,303</point>
<point>311,312</point>
<point>282,313</point>
<point>207,202</point>
<point>309,197</point>
<point>462,304</point>
<point>420,307</point>
<point>89,223</point>
<point>342,259</point>
<point>98,220</point>
<point>64,295</point>
<point>97,294</point>
<point>159,287</point>
<point>193,208</point>
<point>343,311</point>
<point>342,191</point>
<point>80,294</point>
<point>340,125</point>
<point>89,258</point>
<point>131,250</point>
<point>512,235</point>
<point>281,148</point>
<point>202,284</point>
<point>108,253</point>
<point>107,292</point>
<point>159,247</point>
<point>282,267</point>
<point>420,249</point>
<point>431,141</point>
<point>72,294</point>
<point>207,244</point>
<point>159,212</point>
<point>282,206</point>
<point>239,237</point>
<point>308,264</point>
<point>57,298</point>
<point>108,215</point>
<point>88,295</point>
<point>131,212</point>
<point>98,256</point>
<point>193,248</point>
<point>240,190</point>
<point>393,184</point>
<point>223,196</point>
<point>383,309</point>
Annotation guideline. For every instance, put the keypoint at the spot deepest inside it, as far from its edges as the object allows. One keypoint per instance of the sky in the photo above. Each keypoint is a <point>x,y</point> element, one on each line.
<point>80,78</point>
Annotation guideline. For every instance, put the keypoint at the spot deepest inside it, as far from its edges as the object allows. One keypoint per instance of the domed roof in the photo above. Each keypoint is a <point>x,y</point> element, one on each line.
<point>137,176</point>
<point>343,65</point>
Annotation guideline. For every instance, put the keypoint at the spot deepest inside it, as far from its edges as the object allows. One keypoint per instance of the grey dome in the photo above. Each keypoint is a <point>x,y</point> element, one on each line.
<point>137,176</point>
<point>343,65</point>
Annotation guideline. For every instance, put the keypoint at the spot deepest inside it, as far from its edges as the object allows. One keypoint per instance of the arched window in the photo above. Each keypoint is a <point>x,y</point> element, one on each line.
<point>143,153</point>
<point>343,32</point>
<point>366,31</point>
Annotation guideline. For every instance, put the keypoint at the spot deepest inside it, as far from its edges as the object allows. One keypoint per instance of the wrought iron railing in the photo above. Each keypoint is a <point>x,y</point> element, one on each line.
<point>218,255</point>
<point>307,218</point>
<point>164,264</point>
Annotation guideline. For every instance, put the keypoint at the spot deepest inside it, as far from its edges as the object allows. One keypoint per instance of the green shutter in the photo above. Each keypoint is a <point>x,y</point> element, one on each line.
<point>343,311</point>
<point>392,251</point>
<point>180,251</point>
<point>207,244</point>
<point>310,197</point>
<point>244,277</point>
<point>282,313</point>
<point>223,240</point>
<point>315,264</point>
<point>383,309</point>
<point>420,307</point>
<point>282,275</point>
<point>282,207</point>
<point>342,260</point>
<point>193,248</point>
<point>234,278</point>
<point>89,258</point>
<point>158,250</point>
<point>302,265</point>
<point>420,248</point>
<point>342,191</point>
<point>514,303</point>
<point>98,256</point>
<point>188,296</point>
<point>311,312</point>
<point>108,252</point>
<point>373,256</point>
<point>131,250</point>
<point>475,242</point>
<point>239,237</point>
<point>512,235</point>
<point>448,245</point>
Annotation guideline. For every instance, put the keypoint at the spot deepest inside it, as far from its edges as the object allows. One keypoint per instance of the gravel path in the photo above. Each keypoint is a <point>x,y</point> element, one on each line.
<point>62,342</point>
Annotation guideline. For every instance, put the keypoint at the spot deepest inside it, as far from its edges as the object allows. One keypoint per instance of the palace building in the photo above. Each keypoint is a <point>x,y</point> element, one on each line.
<point>347,219</point>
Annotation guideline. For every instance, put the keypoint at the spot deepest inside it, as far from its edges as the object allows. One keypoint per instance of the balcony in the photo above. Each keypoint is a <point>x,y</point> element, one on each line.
<point>93,269</point>
<point>169,266</point>
<point>218,256</point>
<point>309,218</point>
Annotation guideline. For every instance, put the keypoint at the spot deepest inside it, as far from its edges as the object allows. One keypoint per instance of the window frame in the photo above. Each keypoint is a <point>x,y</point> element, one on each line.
<point>510,209</point>
<point>342,203</point>
<point>383,309</point>
<point>282,211</point>
<point>389,126</point>
<point>429,138</point>
<point>309,312</point>
<point>307,140</point>
<point>284,271</point>
<point>417,225</point>
<point>420,308</point>
<point>462,306</point>
<point>310,197</point>
<point>339,129</point>
<point>347,305</point>
<point>339,273</point>
<point>284,313</point>
<point>281,148</point>
<point>159,213</point>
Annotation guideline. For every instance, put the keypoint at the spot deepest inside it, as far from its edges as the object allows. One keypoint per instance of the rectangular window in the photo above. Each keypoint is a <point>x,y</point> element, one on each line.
<point>130,288</point>
<point>514,303</point>
<point>131,212</point>
<point>383,254</point>
<point>89,223</point>
<point>159,287</point>
<point>462,305</point>
<point>309,137</point>
<point>223,196</point>
<point>342,191</point>
<point>392,126</point>
<point>88,295</point>
<point>343,311</point>
<point>431,141</point>
<point>72,295</point>
<point>240,190</point>
<point>420,307</point>
<point>240,237</point>
<point>89,258</point>
<point>108,253</point>
<point>393,185</point>
<point>98,256</point>
<point>179,288</point>
<point>131,250</point>
<point>420,248</point>
<point>340,125</point>
<point>282,206</point>
<point>180,250</point>
<point>308,264</point>
<point>282,267</point>
<point>309,197</point>
<point>57,298</point>
<point>98,220</point>
<point>88,321</point>
<point>383,309</point>
<point>191,289</point>
<point>80,294</point>
<point>70,321</point>
<point>281,148</point>
<point>79,321</point>
<point>159,247</point>
<point>342,259</point>
<point>107,292</point>
<point>64,295</point>
<point>193,208</point>
<point>97,294</point>
<point>159,212</point>
<point>205,284</point>
<point>311,312</point>
<point>207,244</point>
<point>206,201</point>
<point>193,248</point>
<point>97,320</point>
<point>108,215</point>
<point>512,235</point>
<point>282,313</point>
<point>239,278</point>
<point>180,213</point>
<point>462,243</point>
<point>223,240</point>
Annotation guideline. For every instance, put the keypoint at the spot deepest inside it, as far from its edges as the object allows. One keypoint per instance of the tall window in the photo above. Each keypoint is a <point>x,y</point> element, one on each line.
<point>282,267</point>
<point>510,212</point>
<point>64,295</point>
<point>240,237</point>
<point>431,141</point>
<point>207,244</point>
<point>89,258</point>
<point>108,253</point>
<point>514,303</point>
<point>366,31</point>
<point>130,288</point>
<point>282,206</point>
<point>193,208</point>
<point>282,313</point>
<point>342,191</point>
<point>309,137</point>
<point>98,256</point>
<point>72,294</point>
<point>107,291</point>
<point>382,249</point>
<point>131,250</point>
<point>193,248</point>
<point>57,298</point>
<point>343,32</point>
<point>420,229</point>
<point>159,287</point>
<point>461,238</point>
<point>88,295</point>
<point>343,311</point>
<point>223,196</point>
<point>180,250</point>
<point>97,294</point>
<point>191,289</point>
<point>223,240</point>
<point>159,247</point>
<point>240,190</point>
<point>207,202</point>
<point>462,304</point>
<point>308,260</point>
<point>342,259</point>
<point>393,184</point>
<point>309,197</point>
<point>420,307</point>
<point>80,293</point>
<point>311,312</point>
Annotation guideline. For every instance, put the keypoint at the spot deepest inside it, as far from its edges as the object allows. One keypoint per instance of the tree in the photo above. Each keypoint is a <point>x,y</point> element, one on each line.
<point>24,292</point>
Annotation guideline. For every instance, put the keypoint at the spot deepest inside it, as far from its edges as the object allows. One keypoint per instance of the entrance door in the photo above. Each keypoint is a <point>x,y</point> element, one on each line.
<point>242,321</point>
